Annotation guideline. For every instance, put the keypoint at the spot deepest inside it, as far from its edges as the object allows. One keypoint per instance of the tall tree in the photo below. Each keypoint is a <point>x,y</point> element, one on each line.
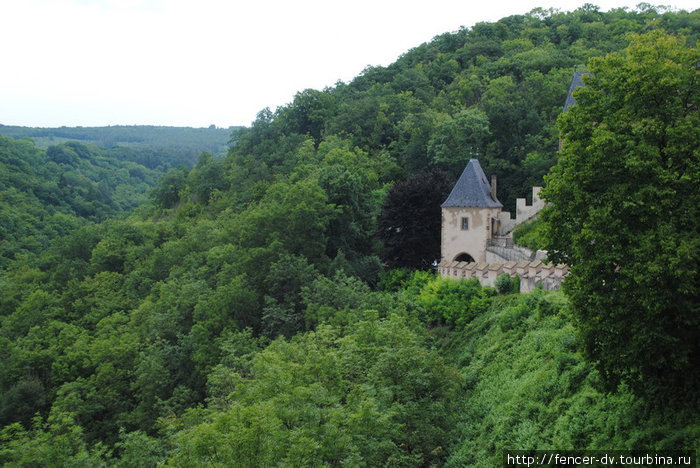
<point>624,213</point>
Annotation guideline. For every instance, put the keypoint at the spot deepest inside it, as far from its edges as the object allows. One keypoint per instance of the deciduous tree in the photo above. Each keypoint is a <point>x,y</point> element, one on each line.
<point>409,222</point>
<point>623,212</point>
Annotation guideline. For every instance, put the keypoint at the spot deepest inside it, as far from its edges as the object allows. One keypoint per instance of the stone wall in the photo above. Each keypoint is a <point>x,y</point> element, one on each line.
<point>497,254</point>
<point>523,212</point>
<point>531,273</point>
<point>473,240</point>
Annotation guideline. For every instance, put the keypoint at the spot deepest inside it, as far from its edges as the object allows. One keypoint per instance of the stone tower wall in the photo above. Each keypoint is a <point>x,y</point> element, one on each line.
<point>523,212</point>
<point>472,241</point>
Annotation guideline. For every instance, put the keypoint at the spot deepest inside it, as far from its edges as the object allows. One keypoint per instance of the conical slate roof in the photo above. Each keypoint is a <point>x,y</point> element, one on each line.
<point>575,83</point>
<point>472,189</point>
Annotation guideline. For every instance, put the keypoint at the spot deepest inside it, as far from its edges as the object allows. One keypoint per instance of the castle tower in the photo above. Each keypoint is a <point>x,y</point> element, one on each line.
<point>468,217</point>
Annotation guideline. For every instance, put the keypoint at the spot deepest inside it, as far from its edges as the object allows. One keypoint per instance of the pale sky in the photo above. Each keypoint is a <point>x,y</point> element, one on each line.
<point>202,62</point>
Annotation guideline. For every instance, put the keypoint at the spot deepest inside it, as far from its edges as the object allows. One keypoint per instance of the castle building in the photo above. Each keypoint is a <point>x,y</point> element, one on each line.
<point>474,227</point>
<point>476,236</point>
<point>469,217</point>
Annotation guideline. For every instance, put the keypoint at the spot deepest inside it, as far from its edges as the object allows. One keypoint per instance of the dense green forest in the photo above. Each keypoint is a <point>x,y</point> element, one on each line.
<point>46,194</point>
<point>148,145</point>
<point>255,310</point>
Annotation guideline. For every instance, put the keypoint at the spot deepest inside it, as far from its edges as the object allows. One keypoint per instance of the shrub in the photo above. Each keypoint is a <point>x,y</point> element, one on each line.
<point>503,285</point>
<point>529,235</point>
<point>453,303</point>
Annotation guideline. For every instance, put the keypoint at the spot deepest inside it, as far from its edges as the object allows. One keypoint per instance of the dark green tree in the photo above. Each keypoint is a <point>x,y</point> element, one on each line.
<point>167,193</point>
<point>204,179</point>
<point>623,212</point>
<point>409,222</point>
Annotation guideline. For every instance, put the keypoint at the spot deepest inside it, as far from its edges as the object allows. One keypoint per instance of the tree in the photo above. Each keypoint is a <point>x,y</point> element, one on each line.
<point>458,140</point>
<point>623,213</point>
<point>167,193</point>
<point>409,222</point>
<point>371,393</point>
<point>203,180</point>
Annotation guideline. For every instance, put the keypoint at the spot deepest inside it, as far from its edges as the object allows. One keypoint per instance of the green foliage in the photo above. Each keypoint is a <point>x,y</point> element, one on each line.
<point>55,443</point>
<point>409,221</point>
<point>206,178</point>
<point>295,215</point>
<point>137,450</point>
<point>394,279</point>
<point>45,195</point>
<point>459,139</point>
<point>530,234</point>
<point>285,282</point>
<point>529,387</point>
<point>169,190</point>
<point>494,90</point>
<point>141,336</point>
<point>150,146</point>
<point>369,395</point>
<point>624,214</point>
<point>506,284</point>
<point>453,303</point>
<point>336,299</point>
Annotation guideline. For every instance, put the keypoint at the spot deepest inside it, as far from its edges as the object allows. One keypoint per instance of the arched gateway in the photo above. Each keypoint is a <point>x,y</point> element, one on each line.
<point>464,257</point>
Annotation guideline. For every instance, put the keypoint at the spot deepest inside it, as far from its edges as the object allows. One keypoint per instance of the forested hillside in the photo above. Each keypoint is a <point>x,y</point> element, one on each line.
<point>148,145</point>
<point>46,194</point>
<point>257,310</point>
<point>492,91</point>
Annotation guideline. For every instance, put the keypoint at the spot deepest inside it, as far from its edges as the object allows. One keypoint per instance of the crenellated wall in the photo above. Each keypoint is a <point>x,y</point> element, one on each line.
<point>523,212</point>
<point>477,239</point>
<point>531,273</point>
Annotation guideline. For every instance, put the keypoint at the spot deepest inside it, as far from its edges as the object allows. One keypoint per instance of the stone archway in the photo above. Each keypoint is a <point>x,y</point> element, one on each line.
<point>464,257</point>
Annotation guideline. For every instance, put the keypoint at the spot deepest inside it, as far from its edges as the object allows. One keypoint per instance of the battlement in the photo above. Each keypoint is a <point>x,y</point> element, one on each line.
<point>532,274</point>
<point>523,212</point>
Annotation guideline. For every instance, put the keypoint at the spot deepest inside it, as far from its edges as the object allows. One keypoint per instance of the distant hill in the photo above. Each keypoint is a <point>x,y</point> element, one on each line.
<point>184,144</point>
<point>47,193</point>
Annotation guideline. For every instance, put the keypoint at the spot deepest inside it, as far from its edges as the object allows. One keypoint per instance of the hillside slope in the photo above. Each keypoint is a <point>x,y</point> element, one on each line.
<point>45,194</point>
<point>246,316</point>
<point>146,144</point>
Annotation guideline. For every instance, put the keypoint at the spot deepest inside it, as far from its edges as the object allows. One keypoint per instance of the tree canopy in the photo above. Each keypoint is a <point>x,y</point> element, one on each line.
<point>624,213</point>
<point>151,146</point>
<point>246,312</point>
<point>410,220</point>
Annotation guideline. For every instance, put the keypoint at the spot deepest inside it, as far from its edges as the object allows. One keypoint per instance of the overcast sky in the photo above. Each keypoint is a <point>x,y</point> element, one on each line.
<point>202,62</point>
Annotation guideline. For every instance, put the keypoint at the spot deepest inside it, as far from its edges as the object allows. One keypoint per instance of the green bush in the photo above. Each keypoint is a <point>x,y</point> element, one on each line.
<point>506,284</point>
<point>530,235</point>
<point>529,387</point>
<point>513,316</point>
<point>454,303</point>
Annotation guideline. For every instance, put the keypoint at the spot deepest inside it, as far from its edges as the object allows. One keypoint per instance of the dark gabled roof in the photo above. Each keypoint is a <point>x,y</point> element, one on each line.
<point>472,189</point>
<point>575,83</point>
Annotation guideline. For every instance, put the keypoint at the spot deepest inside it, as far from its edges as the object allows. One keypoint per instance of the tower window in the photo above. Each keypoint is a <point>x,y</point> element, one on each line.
<point>465,224</point>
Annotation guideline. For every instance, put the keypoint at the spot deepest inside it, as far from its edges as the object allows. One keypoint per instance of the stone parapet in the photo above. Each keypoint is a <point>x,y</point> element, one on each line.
<point>523,213</point>
<point>532,273</point>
